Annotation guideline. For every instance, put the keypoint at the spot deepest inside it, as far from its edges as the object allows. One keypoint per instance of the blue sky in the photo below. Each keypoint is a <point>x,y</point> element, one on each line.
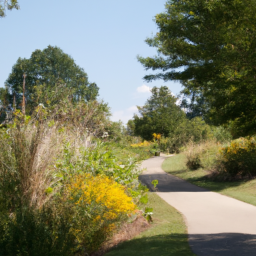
<point>103,37</point>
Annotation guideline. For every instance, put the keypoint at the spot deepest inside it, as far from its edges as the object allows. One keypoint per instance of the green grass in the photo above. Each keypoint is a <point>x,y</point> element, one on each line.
<point>166,237</point>
<point>242,190</point>
<point>124,153</point>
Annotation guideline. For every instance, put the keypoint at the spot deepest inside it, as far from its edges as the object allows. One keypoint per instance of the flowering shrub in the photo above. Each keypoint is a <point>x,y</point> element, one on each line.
<point>156,136</point>
<point>141,145</point>
<point>97,205</point>
<point>239,158</point>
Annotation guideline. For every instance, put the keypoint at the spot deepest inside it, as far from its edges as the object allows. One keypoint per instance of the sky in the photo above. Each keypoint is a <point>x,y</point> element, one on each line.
<point>103,37</point>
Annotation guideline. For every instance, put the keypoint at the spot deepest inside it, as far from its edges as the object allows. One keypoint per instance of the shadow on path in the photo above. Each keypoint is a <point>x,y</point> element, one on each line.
<point>169,183</point>
<point>159,245</point>
<point>224,244</point>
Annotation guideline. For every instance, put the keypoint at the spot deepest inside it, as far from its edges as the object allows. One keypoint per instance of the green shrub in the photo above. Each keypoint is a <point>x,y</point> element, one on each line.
<point>35,233</point>
<point>238,159</point>
<point>194,163</point>
<point>221,134</point>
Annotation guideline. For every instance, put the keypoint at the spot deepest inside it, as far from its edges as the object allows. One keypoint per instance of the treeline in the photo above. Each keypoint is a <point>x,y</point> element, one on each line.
<point>164,115</point>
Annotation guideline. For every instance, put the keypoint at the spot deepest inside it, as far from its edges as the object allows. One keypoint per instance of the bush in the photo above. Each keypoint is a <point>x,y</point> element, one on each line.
<point>238,159</point>
<point>202,154</point>
<point>34,232</point>
<point>96,206</point>
<point>194,162</point>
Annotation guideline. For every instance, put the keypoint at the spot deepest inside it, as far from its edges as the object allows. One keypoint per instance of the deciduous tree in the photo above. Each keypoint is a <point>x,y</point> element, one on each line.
<point>210,47</point>
<point>50,71</point>
<point>9,5</point>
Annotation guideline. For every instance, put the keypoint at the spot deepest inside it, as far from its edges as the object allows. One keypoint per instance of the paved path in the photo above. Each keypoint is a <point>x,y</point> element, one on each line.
<point>217,225</point>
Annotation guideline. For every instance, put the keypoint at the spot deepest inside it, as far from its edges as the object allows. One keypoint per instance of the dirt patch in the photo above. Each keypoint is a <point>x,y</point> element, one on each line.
<point>126,232</point>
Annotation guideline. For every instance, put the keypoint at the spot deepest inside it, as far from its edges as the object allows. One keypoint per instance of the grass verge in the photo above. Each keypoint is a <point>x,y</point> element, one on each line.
<point>242,190</point>
<point>166,237</point>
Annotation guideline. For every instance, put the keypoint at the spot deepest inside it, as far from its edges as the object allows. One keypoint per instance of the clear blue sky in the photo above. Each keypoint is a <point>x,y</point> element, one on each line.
<point>103,37</point>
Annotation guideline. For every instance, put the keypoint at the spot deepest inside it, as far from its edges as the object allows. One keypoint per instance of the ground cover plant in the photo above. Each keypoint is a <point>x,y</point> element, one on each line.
<point>166,236</point>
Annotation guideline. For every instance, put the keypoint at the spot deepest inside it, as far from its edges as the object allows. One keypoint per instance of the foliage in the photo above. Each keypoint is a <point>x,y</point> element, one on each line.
<point>159,114</point>
<point>94,216</point>
<point>238,159</point>
<point>213,42</point>
<point>35,232</point>
<point>157,136</point>
<point>4,104</point>
<point>148,214</point>
<point>202,154</point>
<point>154,183</point>
<point>46,72</point>
<point>141,144</point>
<point>124,151</point>
<point>222,134</point>
<point>44,160</point>
<point>155,148</point>
<point>97,160</point>
<point>162,118</point>
<point>130,127</point>
<point>166,145</point>
<point>195,130</point>
<point>116,132</point>
<point>8,4</point>
<point>194,162</point>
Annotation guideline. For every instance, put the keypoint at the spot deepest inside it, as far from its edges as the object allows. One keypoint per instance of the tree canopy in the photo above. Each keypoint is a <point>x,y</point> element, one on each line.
<point>160,114</point>
<point>9,5</point>
<point>48,72</point>
<point>210,47</point>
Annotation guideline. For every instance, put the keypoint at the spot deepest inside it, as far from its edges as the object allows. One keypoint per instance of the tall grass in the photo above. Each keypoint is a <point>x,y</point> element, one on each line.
<point>203,154</point>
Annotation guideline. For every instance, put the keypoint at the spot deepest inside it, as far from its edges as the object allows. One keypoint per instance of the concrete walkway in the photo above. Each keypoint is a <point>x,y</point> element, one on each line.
<point>217,225</point>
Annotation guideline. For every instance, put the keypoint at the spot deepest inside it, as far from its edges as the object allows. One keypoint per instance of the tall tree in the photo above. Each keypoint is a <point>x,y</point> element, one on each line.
<point>214,44</point>
<point>46,72</point>
<point>9,5</point>
<point>160,114</point>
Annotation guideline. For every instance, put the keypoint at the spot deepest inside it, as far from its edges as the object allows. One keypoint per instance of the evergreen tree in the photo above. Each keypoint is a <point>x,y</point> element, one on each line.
<point>160,114</point>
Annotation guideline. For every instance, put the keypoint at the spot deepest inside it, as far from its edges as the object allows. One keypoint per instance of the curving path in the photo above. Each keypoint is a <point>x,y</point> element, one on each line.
<point>217,225</point>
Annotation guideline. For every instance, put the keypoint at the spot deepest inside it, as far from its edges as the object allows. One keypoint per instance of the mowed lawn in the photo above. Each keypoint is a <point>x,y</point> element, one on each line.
<point>242,190</point>
<point>166,237</point>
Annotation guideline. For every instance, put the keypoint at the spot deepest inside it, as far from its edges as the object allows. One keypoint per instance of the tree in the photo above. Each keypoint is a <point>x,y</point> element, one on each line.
<point>4,104</point>
<point>49,72</point>
<point>130,127</point>
<point>8,4</point>
<point>160,114</point>
<point>214,44</point>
